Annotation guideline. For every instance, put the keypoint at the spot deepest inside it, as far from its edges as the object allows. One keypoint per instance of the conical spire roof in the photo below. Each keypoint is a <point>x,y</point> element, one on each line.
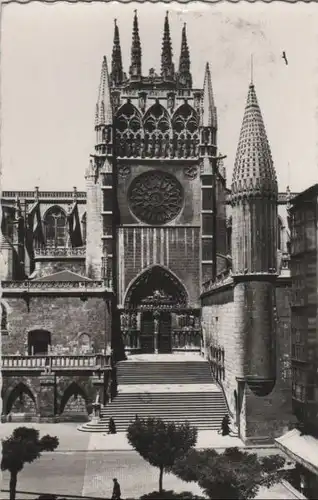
<point>253,168</point>
<point>209,109</point>
<point>185,78</point>
<point>103,107</point>
<point>135,67</point>
<point>167,67</point>
<point>117,64</point>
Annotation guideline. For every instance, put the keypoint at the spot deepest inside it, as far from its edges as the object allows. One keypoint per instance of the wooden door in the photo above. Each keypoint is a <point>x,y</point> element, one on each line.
<point>147,332</point>
<point>165,332</point>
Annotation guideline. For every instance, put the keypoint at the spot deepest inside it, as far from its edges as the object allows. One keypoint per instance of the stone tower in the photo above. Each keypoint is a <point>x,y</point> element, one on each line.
<point>254,250</point>
<point>151,191</point>
<point>99,186</point>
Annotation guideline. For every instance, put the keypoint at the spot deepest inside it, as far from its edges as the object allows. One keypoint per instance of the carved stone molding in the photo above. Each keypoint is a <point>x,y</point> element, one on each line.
<point>190,172</point>
<point>124,171</point>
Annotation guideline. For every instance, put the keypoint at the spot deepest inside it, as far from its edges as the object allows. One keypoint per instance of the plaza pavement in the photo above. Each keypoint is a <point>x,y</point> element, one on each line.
<point>71,439</point>
<point>85,463</point>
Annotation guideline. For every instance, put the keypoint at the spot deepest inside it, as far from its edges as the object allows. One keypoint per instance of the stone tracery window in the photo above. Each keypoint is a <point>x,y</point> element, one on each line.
<point>55,223</point>
<point>185,125</point>
<point>155,197</point>
<point>129,131</point>
<point>157,131</point>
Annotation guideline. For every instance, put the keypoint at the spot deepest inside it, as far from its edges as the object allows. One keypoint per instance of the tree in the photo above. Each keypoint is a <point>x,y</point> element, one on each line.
<point>23,446</point>
<point>232,474</point>
<point>161,443</point>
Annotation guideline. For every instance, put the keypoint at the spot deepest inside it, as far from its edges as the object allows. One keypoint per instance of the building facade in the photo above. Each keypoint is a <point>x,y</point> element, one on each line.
<point>157,256</point>
<point>302,442</point>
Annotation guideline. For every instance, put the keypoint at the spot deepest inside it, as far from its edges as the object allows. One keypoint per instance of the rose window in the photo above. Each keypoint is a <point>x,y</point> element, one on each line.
<point>155,197</point>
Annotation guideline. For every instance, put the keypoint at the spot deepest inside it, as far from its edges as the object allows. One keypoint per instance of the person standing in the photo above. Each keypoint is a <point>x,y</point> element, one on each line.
<point>116,490</point>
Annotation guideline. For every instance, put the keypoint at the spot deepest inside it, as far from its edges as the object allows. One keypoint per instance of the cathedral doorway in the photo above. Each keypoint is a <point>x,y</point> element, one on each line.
<point>150,304</point>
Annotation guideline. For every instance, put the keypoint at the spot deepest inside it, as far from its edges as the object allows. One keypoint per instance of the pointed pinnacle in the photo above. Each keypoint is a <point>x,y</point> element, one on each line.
<point>135,67</point>
<point>209,109</point>
<point>103,107</point>
<point>167,68</point>
<point>253,156</point>
<point>117,65</point>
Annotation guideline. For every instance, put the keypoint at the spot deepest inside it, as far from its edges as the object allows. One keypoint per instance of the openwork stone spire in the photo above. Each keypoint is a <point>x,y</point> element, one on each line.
<point>103,107</point>
<point>135,67</point>
<point>184,77</point>
<point>253,169</point>
<point>117,64</point>
<point>167,66</point>
<point>209,109</point>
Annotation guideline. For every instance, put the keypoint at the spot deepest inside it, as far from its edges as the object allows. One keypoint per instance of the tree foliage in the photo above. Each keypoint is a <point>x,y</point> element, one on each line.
<point>161,443</point>
<point>171,495</point>
<point>231,474</point>
<point>23,446</point>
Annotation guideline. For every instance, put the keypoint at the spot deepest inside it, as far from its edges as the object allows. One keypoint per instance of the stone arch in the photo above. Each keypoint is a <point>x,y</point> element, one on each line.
<point>156,278</point>
<point>55,226</point>
<point>84,341</point>
<point>157,129</point>
<point>185,127</point>
<point>128,119</point>
<point>20,399</point>
<point>39,341</point>
<point>74,401</point>
<point>4,317</point>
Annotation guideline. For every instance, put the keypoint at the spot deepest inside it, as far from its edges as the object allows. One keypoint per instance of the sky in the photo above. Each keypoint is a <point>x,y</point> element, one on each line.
<point>51,58</point>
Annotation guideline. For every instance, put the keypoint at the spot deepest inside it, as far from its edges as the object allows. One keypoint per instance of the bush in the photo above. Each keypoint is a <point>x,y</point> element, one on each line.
<point>171,495</point>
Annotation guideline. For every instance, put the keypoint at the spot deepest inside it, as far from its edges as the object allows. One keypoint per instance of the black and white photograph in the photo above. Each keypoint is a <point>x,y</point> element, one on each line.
<point>159,250</point>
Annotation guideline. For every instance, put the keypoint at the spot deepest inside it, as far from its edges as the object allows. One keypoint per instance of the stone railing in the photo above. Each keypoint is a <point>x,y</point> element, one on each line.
<point>222,279</point>
<point>54,195</point>
<point>51,362</point>
<point>186,339</point>
<point>26,286</point>
<point>60,252</point>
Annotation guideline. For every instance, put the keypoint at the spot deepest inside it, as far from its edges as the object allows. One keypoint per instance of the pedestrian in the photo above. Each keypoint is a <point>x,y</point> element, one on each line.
<point>112,426</point>
<point>225,425</point>
<point>116,490</point>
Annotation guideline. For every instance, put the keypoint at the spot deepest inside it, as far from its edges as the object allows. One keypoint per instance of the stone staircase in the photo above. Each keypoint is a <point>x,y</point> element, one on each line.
<point>174,391</point>
<point>163,372</point>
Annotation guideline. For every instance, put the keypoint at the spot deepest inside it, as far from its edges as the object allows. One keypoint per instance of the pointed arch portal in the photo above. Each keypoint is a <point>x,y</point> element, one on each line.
<point>152,302</point>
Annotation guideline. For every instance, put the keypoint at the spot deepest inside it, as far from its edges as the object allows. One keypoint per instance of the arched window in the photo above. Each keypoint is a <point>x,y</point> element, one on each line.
<point>84,342</point>
<point>83,222</point>
<point>128,125</point>
<point>185,125</point>
<point>4,318</point>
<point>38,342</point>
<point>157,131</point>
<point>55,227</point>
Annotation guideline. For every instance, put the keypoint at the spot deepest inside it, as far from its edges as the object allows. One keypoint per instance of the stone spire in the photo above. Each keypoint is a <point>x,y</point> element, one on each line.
<point>184,76</point>
<point>135,67</point>
<point>209,109</point>
<point>253,169</point>
<point>117,64</point>
<point>103,114</point>
<point>167,66</point>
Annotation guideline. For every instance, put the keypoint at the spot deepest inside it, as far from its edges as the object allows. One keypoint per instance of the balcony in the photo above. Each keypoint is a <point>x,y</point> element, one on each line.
<point>63,252</point>
<point>12,286</point>
<point>50,363</point>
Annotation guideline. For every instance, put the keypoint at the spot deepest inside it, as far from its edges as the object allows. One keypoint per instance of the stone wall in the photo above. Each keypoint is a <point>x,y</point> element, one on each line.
<point>57,397</point>
<point>64,317</point>
<point>176,249</point>
<point>224,318</point>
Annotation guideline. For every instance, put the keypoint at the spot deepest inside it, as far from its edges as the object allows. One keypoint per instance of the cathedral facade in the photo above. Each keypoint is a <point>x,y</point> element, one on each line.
<point>157,256</point>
